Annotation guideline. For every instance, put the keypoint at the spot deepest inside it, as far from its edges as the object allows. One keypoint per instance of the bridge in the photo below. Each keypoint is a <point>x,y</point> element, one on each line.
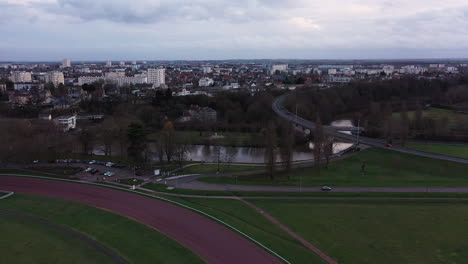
<point>281,111</point>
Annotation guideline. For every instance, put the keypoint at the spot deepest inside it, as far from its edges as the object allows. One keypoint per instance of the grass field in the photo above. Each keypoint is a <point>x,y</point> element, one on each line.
<point>453,118</point>
<point>232,139</point>
<point>130,181</point>
<point>213,168</point>
<point>379,231</point>
<point>25,241</point>
<point>443,149</point>
<point>383,168</point>
<point>249,221</point>
<point>135,242</point>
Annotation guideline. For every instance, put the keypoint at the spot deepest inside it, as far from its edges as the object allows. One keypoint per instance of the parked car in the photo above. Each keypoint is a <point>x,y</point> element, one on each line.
<point>109,174</point>
<point>326,188</point>
<point>388,145</point>
<point>94,171</point>
<point>110,164</point>
<point>89,169</point>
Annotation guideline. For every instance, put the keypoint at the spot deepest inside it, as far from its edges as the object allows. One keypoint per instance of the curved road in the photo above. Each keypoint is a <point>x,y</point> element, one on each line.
<point>213,242</point>
<point>283,112</point>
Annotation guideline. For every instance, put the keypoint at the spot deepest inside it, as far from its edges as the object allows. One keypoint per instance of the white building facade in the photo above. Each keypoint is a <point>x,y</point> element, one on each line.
<point>55,77</point>
<point>157,77</point>
<point>21,77</point>
<point>66,63</point>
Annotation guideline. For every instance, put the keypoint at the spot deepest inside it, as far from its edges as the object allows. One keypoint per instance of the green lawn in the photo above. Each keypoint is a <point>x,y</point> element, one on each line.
<point>213,168</point>
<point>249,221</point>
<point>134,241</point>
<point>379,231</point>
<point>443,149</point>
<point>25,241</point>
<point>236,139</point>
<point>453,118</point>
<point>383,168</point>
<point>130,181</point>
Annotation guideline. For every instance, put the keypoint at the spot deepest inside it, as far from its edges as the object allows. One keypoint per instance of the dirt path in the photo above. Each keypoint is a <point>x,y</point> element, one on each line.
<point>304,242</point>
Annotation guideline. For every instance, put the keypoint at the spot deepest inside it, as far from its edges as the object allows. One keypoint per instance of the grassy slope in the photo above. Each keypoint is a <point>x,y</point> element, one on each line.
<point>379,231</point>
<point>24,241</point>
<point>252,223</point>
<point>384,168</point>
<point>443,149</point>
<point>132,240</point>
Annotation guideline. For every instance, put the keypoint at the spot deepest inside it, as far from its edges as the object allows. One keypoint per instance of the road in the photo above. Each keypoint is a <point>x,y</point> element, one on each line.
<point>210,240</point>
<point>283,112</point>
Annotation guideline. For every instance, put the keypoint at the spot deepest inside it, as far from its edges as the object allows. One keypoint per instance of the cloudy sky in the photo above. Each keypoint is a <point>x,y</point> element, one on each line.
<point>232,29</point>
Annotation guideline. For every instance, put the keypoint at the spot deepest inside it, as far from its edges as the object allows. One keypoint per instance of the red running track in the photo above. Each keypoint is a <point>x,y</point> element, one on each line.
<point>210,240</point>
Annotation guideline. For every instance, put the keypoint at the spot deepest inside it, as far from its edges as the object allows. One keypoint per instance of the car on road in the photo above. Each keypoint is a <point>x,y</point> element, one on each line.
<point>388,145</point>
<point>326,188</point>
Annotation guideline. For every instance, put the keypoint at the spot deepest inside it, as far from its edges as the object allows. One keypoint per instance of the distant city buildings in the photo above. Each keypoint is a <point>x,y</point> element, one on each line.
<point>278,67</point>
<point>157,77</point>
<point>66,63</point>
<point>108,63</point>
<point>205,82</point>
<point>55,77</point>
<point>21,77</point>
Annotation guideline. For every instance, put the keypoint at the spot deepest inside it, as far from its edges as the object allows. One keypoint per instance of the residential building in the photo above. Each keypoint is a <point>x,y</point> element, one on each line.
<point>205,82</point>
<point>278,67</point>
<point>206,69</point>
<point>119,80</point>
<point>21,77</point>
<point>55,77</point>
<point>66,63</point>
<point>157,77</point>
<point>122,63</point>
<point>66,122</point>
<point>108,63</point>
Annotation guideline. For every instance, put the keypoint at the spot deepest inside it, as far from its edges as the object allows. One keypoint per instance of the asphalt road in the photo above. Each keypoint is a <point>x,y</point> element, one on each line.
<point>283,112</point>
<point>210,240</point>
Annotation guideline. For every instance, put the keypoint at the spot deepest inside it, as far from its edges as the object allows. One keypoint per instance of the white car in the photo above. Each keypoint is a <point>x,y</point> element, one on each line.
<point>109,174</point>
<point>110,164</point>
<point>326,188</point>
<point>88,169</point>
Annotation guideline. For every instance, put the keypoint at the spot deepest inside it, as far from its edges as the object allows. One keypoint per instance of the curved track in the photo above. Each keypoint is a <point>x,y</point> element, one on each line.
<point>213,242</point>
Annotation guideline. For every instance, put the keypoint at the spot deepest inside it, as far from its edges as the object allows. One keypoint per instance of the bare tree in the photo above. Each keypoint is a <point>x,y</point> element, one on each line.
<point>318,143</point>
<point>270,149</point>
<point>168,140</point>
<point>328,149</point>
<point>287,145</point>
<point>404,124</point>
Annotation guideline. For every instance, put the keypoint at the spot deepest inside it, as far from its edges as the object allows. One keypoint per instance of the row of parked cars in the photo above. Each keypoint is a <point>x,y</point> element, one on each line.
<point>91,162</point>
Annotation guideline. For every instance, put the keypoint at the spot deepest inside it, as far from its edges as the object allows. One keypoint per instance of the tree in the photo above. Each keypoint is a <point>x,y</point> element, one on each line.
<point>86,138</point>
<point>270,149</point>
<point>137,141</point>
<point>168,140</point>
<point>287,144</point>
<point>328,149</point>
<point>404,126</point>
<point>318,143</point>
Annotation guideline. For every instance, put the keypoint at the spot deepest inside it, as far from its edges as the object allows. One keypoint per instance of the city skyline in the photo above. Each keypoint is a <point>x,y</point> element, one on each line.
<point>51,30</point>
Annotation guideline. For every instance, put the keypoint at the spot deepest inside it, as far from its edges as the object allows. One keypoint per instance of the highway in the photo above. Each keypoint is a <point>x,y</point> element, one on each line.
<point>279,109</point>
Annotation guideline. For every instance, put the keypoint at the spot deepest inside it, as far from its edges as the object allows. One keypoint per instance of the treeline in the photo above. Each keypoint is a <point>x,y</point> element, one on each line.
<point>375,102</point>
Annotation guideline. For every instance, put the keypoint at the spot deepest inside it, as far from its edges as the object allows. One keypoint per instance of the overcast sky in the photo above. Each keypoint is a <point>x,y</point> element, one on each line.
<point>232,29</point>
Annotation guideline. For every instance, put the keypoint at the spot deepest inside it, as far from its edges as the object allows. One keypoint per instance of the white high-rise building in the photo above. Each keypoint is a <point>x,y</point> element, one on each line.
<point>206,69</point>
<point>108,63</point>
<point>278,67</point>
<point>66,63</point>
<point>157,76</point>
<point>21,77</point>
<point>55,77</point>
<point>122,63</point>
